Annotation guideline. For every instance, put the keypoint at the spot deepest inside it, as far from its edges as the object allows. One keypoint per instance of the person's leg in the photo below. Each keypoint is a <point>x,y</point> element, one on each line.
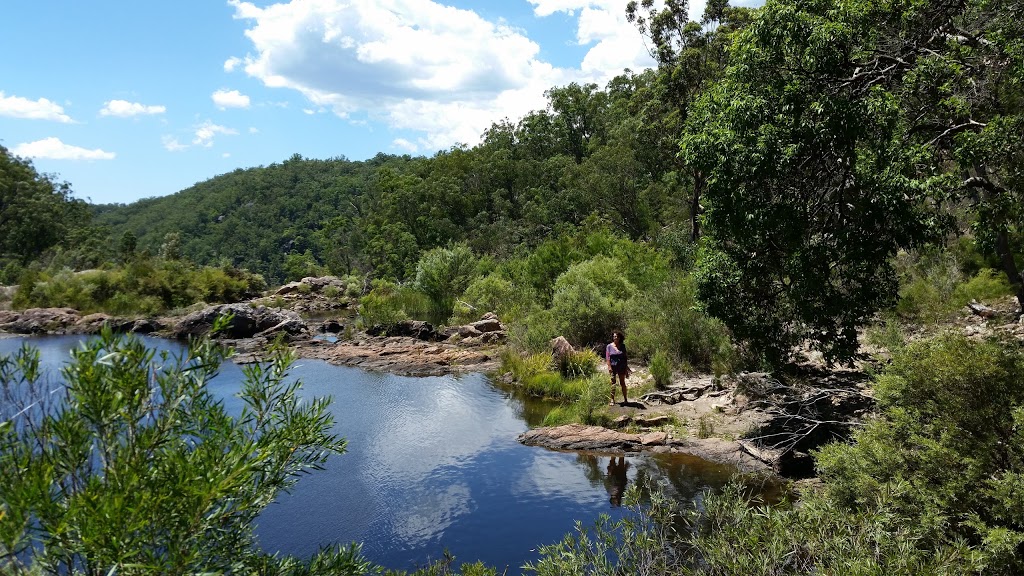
<point>622,383</point>
<point>613,388</point>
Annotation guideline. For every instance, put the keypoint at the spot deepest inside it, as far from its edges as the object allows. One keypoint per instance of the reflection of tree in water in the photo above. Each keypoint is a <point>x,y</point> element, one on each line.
<point>591,465</point>
<point>528,409</point>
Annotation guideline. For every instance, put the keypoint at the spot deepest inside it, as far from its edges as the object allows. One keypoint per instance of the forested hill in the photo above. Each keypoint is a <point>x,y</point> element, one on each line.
<point>255,218</point>
<point>593,153</point>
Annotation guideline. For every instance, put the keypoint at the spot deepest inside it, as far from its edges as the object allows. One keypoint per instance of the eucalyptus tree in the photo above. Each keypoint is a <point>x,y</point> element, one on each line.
<point>813,179</point>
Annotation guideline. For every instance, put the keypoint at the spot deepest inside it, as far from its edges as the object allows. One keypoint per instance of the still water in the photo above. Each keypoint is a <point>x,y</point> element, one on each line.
<point>433,465</point>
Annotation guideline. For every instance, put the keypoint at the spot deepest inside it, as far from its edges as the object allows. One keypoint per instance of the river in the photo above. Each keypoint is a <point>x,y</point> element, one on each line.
<point>432,465</point>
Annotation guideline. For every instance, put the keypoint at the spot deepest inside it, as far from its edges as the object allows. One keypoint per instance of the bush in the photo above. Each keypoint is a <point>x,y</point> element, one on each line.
<point>443,274</point>
<point>587,408</point>
<point>589,300</point>
<point>670,320</point>
<point>524,366</point>
<point>948,453</point>
<point>139,470</point>
<point>661,370</point>
<point>578,364</point>
<point>494,293</point>
<point>389,303</point>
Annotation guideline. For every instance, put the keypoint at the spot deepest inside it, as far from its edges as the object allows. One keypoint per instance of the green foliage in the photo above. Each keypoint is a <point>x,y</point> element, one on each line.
<point>388,303</point>
<point>578,364</point>
<point>442,274</point>
<point>36,213</point>
<point>298,266</point>
<point>494,293</point>
<point>935,285</point>
<point>144,286</point>
<point>138,469</point>
<point>589,300</point>
<point>661,369</point>
<point>670,319</point>
<point>589,407</point>
<point>553,385</point>
<point>522,366</point>
<point>947,453</point>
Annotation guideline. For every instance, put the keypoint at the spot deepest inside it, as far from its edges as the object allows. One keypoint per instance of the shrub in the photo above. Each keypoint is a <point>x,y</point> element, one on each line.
<point>388,303</point>
<point>578,364</point>
<point>139,470</point>
<point>443,274</point>
<point>523,366</point>
<point>671,320</point>
<point>948,453</point>
<point>589,300</point>
<point>589,407</point>
<point>494,293</point>
<point>661,369</point>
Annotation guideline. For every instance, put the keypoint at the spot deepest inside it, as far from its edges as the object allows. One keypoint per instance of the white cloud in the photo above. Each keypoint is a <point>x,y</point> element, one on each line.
<point>171,144</point>
<point>417,64</point>
<point>226,155</point>
<point>616,44</point>
<point>41,109</point>
<point>231,63</point>
<point>404,144</point>
<point>54,149</point>
<point>124,109</point>
<point>206,132</point>
<point>230,99</point>
<point>254,130</point>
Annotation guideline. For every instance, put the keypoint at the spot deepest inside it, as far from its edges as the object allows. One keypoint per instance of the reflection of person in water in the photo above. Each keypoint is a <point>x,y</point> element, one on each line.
<point>616,480</point>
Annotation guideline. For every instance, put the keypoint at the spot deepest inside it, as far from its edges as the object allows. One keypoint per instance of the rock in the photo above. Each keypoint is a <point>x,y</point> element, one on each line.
<point>493,337</point>
<point>289,288</point>
<point>653,439</point>
<point>468,331</point>
<point>560,348</point>
<point>38,320</point>
<point>417,329</point>
<point>488,325</point>
<point>247,321</point>
<point>597,439</point>
<point>147,326</point>
<point>652,421</point>
<point>332,327</point>
<point>93,323</point>
<point>321,282</point>
<point>400,355</point>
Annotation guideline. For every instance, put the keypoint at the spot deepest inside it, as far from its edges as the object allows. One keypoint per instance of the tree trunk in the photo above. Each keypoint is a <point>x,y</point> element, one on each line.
<point>698,186</point>
<point>1009,265</point>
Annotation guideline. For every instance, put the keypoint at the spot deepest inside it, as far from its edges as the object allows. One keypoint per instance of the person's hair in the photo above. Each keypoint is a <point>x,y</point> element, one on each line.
<point>622,337</point>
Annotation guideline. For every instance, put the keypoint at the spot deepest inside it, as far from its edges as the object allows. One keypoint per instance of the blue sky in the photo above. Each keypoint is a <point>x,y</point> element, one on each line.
<point>127,100</point>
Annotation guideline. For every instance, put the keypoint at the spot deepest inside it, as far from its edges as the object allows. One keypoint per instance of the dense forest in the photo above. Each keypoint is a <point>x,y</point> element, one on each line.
<point>791,174</point>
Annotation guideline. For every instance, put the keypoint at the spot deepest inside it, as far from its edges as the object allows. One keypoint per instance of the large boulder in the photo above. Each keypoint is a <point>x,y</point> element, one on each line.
<point>246,321</point>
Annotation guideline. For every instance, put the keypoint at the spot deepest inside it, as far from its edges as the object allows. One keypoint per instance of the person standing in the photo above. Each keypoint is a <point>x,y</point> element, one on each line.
<point>615,355</point>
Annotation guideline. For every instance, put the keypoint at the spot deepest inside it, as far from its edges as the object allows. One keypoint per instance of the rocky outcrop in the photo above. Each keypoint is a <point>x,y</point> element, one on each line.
<point>401,355</point>
<point>417,329</point>
<point>582,438</point>
<point>93,323</point>
<point>247,322</point>
<point>69,321</point>
<point>39,320</point>
<point>487,330</point>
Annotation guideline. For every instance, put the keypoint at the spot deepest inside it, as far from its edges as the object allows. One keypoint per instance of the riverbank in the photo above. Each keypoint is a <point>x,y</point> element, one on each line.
<point>756,421</point>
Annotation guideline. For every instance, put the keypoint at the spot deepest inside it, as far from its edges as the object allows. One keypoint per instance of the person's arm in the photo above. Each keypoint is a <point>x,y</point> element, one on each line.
<point>608,359</point>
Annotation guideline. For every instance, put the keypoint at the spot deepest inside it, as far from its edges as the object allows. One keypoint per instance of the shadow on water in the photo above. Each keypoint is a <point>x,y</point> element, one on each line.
<point>433,465</point>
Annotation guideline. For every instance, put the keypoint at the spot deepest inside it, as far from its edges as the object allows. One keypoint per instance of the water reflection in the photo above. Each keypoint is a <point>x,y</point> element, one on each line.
<point>615,482</point>
<point>432,465</point>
